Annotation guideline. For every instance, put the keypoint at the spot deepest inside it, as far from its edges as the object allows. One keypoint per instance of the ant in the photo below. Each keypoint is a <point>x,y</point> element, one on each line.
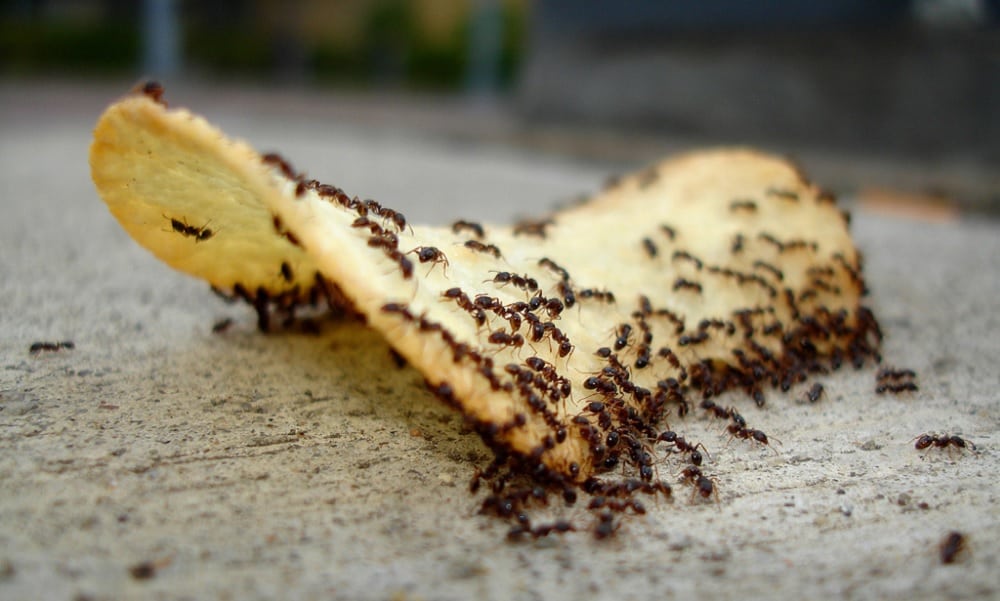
<point>772,240</point>
<point>649,247</point>
<point>474,227</point>
<point>814,393</point>
<point>683,446</point>
<point>600,295</point>
<point>687,284</point>
<point>222,325</point>
<point>683,254</point>
<point>738,429</point>
<point>895,380</point>
<point>737,245</point>
<point>606,526</point>
<point>782,193</point>
<point>200,234</point>
<point>942,441</point>
<point>397,218</point>
<point>560,526</point>
<point>430,254</point>
<point>553,307</point>
<point>490,249</point>
<point>952,546</point>
<point>533,228</point>
<point>698,338</point>
<point>569,297</point>
<point>37,347</point>
<point>622,333</point>
<point>502,337</point>
<point>703,485</point>
<point>669,231</point>
<point>769,267</point>
<point>278,227</point>
<point>743,205</point>
<point>152,89</point>
<point>617,505</point>
<point>385,240</point>
<point>286,271</point>
<point>405,265</point>
<point>550,264</point>
<point>276,160</point>
<point>523,282</point>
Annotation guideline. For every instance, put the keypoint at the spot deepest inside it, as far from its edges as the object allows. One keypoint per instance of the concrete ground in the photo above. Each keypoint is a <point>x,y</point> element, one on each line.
<point>160,460</point>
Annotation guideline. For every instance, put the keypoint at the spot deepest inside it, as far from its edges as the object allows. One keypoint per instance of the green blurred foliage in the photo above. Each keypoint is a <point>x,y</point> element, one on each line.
<point>223,40</point>
<point>30,46</point>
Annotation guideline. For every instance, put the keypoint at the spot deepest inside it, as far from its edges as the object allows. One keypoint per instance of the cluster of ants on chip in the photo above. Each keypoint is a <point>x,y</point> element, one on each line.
<point>619,434</point>
<point>614,429</point>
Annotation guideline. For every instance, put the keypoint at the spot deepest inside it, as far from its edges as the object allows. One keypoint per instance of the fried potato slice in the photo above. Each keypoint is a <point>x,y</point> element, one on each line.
<point>709,271</point>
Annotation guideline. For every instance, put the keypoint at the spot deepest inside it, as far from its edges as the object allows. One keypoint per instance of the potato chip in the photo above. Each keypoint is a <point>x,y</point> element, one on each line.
<point>564,341</point>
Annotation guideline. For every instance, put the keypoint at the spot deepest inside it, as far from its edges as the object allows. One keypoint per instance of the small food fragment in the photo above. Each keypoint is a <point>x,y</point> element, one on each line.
<point>564,340</point>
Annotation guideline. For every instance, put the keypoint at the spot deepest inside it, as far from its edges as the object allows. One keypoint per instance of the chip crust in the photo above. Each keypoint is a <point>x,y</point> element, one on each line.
<point>711,271</point>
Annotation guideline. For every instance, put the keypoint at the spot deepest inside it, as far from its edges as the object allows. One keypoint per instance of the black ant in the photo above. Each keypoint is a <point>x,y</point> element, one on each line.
<point>621,336</point>
<point>942,441</point>
<point>532,228</point>
<point>365,222</point>
<point>600,295</point>
<point>698,338</point>
<point>683,254</point>
<point>895,381</point>
<point>279,228</point>
<point>222,325</point>
<point>649,247</point>
<point>737,246</point>
<point>200,234</point>
<point>430,254</point>
<point>523,282</point>
<point>276,160</point>
<point>490,249</point>
<point>397,218</point>
<point>782,193</point>
<point>814,393</point>
<point>952,545</point>
<point>152,89</point>
<point>550,264</point>
<point>772,240</point>
<point>37,347</point>
<point>560,526</point>
<point>405,265</point>
<point>475,228</point>
<point>780,275</point>
<point>617,505</point>
<point>739,430</point>
<point>502,337</point>
<point>703,485</point>
<point>385,240</point>
<point>606,525</point>
<point>683,446</point>
<point>687,284</point>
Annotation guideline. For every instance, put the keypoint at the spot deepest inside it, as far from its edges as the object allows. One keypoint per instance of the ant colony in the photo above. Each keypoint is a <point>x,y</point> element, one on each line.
<point>565,341</point>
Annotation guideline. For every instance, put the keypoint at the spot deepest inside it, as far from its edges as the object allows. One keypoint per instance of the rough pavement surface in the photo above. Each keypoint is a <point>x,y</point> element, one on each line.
<point>160,460</point>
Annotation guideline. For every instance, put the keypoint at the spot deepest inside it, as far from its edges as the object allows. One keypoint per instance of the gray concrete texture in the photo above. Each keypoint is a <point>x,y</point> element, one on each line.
<point>160,460</point>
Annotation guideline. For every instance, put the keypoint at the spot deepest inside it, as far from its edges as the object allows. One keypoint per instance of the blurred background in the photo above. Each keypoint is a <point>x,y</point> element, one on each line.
<point>896,102</point>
